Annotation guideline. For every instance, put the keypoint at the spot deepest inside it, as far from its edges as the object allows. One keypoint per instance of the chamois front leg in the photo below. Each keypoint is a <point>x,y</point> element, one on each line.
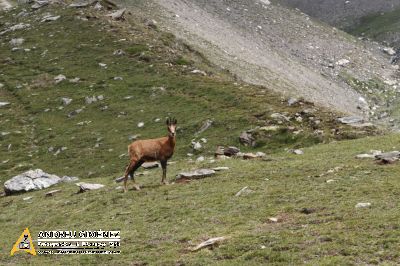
<point>164,172</point>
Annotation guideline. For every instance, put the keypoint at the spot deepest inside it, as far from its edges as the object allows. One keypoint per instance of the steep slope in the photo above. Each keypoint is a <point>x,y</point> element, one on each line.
<point>382,27</point>
<point>285,50</point>
<point>342,13</point>
<point>144,74</point>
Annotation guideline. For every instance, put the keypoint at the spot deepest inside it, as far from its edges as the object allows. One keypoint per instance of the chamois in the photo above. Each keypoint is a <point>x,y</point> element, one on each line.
<point>150,150</point>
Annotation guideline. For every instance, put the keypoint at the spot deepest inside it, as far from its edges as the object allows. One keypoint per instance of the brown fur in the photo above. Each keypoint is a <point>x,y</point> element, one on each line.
<point>150,150</point>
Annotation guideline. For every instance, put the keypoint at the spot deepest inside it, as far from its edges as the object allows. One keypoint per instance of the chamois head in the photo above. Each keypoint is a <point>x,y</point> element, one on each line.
<point>171,123</point>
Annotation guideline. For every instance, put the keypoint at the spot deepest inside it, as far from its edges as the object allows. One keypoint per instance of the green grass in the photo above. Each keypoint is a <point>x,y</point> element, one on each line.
<point>377,26</point>
<point>160,223</point>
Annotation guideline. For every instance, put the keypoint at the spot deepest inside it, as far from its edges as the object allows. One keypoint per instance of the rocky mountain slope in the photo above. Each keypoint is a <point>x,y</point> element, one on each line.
<point>342,13</point>
<point>285,50</point>
<point>77,86</point>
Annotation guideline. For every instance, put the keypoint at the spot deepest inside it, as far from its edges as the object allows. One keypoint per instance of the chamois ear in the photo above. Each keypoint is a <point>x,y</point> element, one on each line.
<point>175,121</point>
<point>168,121</point>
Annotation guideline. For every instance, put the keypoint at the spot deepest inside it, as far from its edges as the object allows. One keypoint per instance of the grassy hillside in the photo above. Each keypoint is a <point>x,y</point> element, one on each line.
<point>380,27</point>
<point>159,223</point>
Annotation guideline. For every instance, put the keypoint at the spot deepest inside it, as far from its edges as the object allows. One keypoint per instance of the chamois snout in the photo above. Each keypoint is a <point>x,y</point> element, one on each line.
<point>171,123</point>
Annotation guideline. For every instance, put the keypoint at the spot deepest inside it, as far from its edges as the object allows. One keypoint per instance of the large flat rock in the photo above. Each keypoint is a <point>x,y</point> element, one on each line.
<point>30,180</point>
<point>196,174</point>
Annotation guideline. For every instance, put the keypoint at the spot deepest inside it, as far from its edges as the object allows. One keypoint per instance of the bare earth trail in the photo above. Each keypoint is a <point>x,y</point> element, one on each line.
<point>273,46</point>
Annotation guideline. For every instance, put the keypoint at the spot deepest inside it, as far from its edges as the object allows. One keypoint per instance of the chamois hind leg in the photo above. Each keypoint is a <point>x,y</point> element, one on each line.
<point>164,172</point>
<point>133,165</point>
<point>132,173</point>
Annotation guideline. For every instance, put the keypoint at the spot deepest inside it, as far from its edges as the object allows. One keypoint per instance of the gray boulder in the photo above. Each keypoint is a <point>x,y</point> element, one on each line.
<point>388,157</point>
<point>231,151</point>
<point>30,180</point>
<point>351,120</point>
<point>246,139</point>
<point>39,4</point>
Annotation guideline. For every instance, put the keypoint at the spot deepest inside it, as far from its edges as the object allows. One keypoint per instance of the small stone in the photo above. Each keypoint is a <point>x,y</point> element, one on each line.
<point>90,99</point>
<point>297,152</point>
<point>134,137</point>
<point>231,151</point>
<point>220,168</point>
<point>363,205</point>
<point>119,52</point>
<point>17,42</point>
<point>103,65</point>
<point>60,78</point>
<point>365,156</point>
<point>292,101</point>
<point>150,165</point>
<point>151,23</point>
<point>117,15</point>
<point>279,117</point>
<point>200,159</point>
<point>342,62</point>
<point>247,139</point>
<point>206,125</point>
<point>69,179</point>
<point>273,219</point>
<point>4,104</point>
<point>74,80</point>
<point>98,6</point>
<point>66,101</point>
<point>196,71</point>
<point>51,193</point>
<point>39,4</point>
<point>83,4</point>
<point>196,146</point>
<point>389,50</point>
<point>27,198</point>
<point>83,187</point>
<point>260,154</point>
<point>330,181</point>
<point>270,128</point>
<point>50,18</point>
<point>249,156</point>
<point>244,191</point>
<point>140,124</point>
